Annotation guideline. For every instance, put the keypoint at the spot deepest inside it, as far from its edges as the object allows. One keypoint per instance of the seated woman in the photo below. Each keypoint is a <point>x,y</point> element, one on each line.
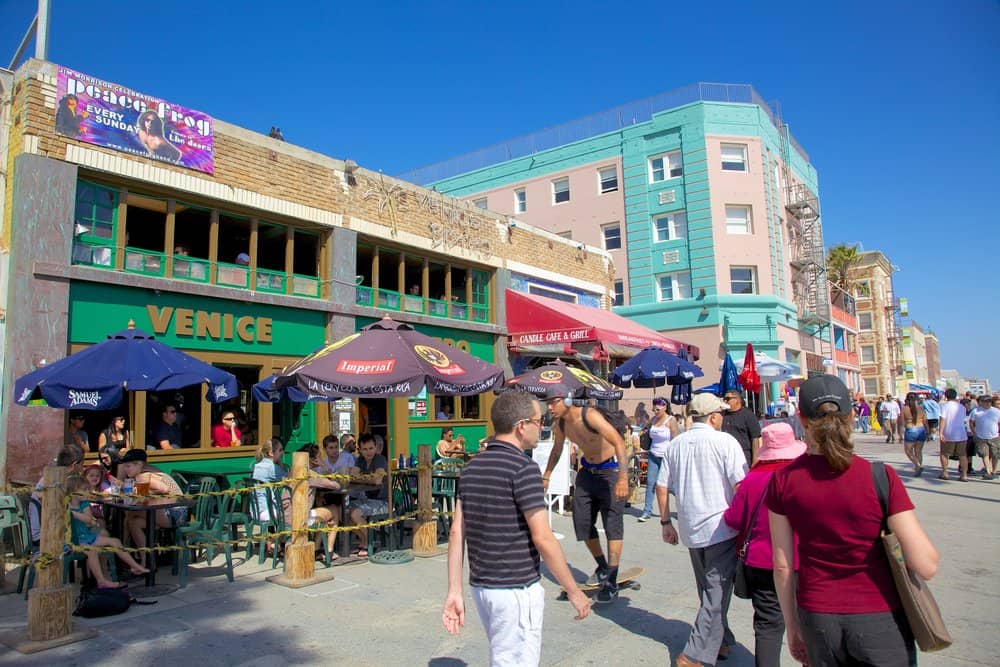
<point>449,446</point>
<point>113,440</point>
<point>226,433</point>
<point>88,530</point>
<point>371,469</point>
<point>133,464</point>
<point>267,468</point>
<point>322,513</point>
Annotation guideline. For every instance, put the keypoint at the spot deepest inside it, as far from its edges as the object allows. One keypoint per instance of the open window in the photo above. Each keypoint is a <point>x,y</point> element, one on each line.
<point>192,234</point>
<point>271,241</point>
<point>145,230</point>
<point>364,277</point>
<point>95,223</point>
<point>305,264</point>
<point>234,251</point>
<point>413,301</point>
<point>388,279</point>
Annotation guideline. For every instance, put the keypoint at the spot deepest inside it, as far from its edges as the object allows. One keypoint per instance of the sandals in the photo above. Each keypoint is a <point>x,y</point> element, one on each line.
<point>360,553</point>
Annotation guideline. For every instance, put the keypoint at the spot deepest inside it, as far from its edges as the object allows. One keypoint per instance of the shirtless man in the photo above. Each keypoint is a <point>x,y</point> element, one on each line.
<point>601,483</point>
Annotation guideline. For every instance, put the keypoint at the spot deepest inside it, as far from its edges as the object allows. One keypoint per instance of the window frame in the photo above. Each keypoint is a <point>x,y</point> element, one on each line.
<point>744,163</point>
<point>669,166</point>
<point>754,282</point>
<point>673,227</point>
<point>747,223</point>
<point>482,203</point>
<point>556,192</point>
<point>601,189</point>
<point>604,235</point>
<point>676,286</point>
<point>520,200</point>
<point>864,385</point>
<point>871,321</point>
<point>619,290</point>
<point>861,353</point>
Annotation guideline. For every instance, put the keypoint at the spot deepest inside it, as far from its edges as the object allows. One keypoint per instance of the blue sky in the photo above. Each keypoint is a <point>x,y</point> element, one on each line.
<point>896,103</point>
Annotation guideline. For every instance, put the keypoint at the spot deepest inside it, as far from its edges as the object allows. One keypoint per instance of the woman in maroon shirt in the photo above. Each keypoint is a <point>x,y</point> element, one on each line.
<point>843,609</point>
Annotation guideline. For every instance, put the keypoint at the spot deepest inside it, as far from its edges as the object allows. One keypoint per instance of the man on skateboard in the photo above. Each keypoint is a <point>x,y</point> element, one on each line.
<point>601,483</point>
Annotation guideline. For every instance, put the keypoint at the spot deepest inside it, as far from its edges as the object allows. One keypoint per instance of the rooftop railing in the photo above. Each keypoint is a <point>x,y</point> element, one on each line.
<point>594,125</point>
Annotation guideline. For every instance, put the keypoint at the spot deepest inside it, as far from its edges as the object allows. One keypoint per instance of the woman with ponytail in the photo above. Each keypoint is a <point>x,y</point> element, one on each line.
<point>915,428</point>
<point>843,608</point>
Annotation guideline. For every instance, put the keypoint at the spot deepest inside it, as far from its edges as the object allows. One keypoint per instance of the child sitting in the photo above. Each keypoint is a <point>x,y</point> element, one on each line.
<point>87,530</point>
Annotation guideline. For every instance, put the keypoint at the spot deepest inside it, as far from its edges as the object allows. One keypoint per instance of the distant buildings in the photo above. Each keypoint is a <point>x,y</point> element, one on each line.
<point>879,335</point>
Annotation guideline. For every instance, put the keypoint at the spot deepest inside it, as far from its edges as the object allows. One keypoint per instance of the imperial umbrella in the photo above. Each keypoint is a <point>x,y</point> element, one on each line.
<point>98,377</point>
<point>389,358</point>
<point>581,383</point>
<point>654,367</point>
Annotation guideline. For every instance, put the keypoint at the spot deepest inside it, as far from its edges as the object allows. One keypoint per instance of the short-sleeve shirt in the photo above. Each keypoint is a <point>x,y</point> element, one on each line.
<point>497,489</point>
<point>703,466</point>
<point>837,518</point>
<point>931,408</point>
<point>169,432</point>
<point>743,426</point>
<point>378,461</point>
<point>986,422</point>
<point>953,414</point>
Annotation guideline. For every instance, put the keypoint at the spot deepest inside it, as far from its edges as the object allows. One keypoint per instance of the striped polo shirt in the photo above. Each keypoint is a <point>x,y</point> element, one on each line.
<point>496,489</point>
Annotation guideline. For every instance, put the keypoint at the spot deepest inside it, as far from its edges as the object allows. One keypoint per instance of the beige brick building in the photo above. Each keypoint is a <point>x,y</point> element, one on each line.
<point>92,237</point>
<point>879,335</point>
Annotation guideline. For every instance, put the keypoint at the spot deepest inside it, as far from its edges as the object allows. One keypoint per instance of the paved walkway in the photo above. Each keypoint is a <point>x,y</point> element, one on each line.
<point>390,614</point>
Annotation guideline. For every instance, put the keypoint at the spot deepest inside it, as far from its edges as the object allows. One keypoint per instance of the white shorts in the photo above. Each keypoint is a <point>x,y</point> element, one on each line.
<point>513,621</point>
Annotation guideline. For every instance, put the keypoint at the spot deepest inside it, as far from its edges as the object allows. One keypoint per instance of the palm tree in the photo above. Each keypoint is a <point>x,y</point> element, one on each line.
<point>839,261</point>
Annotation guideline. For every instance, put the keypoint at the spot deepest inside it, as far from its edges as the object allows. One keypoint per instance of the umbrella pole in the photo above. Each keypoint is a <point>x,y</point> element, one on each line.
<point>131,419</point>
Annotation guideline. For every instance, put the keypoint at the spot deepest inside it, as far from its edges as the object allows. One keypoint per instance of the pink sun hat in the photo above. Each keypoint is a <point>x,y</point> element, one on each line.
<point>778,442</point>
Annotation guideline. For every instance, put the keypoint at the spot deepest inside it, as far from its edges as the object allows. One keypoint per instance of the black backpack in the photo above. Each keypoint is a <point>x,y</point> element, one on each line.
<point>96,602</point>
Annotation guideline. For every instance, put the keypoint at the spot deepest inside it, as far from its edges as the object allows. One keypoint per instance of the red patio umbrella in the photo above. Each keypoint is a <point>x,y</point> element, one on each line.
<point>749,378</point>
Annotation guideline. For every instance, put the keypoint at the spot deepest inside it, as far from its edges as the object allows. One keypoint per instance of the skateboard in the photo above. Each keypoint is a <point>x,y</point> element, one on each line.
<point>626,580</point>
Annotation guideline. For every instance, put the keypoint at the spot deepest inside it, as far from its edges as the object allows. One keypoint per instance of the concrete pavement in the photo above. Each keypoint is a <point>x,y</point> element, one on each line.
<point>390,614</point>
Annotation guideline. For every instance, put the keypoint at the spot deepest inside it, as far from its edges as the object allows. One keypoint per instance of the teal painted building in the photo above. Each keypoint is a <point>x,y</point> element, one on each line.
<point>707,204</point>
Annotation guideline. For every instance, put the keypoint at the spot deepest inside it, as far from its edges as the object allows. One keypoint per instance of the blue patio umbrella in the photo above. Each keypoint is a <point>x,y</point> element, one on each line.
<point>729,380</point>
<point>97,377</point>
<point>681,393</point>
<point>709,389</point>
<point>265,391</point>
<point>655,367</point>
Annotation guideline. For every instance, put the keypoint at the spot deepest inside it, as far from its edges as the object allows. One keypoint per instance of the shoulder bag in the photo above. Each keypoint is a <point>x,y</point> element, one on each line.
<point>741,582</point>
<point>921,610</point>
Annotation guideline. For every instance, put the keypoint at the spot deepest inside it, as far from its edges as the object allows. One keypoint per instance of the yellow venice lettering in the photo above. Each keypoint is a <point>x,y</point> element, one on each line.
<point>189,323</point>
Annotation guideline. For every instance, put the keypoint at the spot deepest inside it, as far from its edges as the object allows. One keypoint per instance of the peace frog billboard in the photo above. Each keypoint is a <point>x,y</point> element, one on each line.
<point>109,115</point>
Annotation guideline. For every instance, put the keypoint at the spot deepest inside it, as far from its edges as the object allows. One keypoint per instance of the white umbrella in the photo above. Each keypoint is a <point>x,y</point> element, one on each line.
<point>772,370</point>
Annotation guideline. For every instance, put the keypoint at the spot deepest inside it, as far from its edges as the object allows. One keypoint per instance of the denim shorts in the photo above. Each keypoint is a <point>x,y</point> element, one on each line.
<point>914,434</point>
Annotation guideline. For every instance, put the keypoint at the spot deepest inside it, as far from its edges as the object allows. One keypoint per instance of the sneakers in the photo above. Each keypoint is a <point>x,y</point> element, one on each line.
<point>607,594</point>
<point>598,577</point>
<point>646,516</point>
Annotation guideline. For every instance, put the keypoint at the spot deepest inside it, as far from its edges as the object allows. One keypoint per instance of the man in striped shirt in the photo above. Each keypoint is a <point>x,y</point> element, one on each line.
<point>500,515</point>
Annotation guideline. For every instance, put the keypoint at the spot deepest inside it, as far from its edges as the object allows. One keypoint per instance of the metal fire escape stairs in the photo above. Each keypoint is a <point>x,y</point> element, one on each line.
<point>810,289</point>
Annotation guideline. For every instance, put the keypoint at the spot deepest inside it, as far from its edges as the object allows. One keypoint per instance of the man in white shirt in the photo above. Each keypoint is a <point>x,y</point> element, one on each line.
<point>704,466</point>
<point>953,439</point>
<point>889,409</point>
<point>985,421</point>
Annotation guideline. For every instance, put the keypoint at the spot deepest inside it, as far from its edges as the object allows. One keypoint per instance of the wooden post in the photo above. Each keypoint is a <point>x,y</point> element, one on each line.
<point>49,603</point>
<point>425,534</point>
<point>300,563</point>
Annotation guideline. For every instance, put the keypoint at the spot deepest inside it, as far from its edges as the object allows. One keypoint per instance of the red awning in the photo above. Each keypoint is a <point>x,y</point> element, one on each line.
<point>537,320</point>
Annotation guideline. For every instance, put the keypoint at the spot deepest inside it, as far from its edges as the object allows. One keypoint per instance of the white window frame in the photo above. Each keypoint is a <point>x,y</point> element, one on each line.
<point>671,166</point>
<point>871,321</point>
<point>739,225</point>
<point>677,286</point>
<point>613,170</point>
<point>676,226</point>
<point>865,386</point>
<point>520,200</point>
<point>874,358</point>
<point>619,288</point>
<point>754,286</point>
<point>743,165</point>
<point>611,227</point>
<point>556,190</point>
<point>482,203</point>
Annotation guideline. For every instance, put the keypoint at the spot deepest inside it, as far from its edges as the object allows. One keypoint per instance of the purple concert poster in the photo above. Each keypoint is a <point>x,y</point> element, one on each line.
<point>109,115</point>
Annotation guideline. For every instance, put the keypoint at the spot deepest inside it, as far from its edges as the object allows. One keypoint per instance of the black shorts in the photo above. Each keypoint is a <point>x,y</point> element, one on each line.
<point>595,494</point>
<point>933,423</point>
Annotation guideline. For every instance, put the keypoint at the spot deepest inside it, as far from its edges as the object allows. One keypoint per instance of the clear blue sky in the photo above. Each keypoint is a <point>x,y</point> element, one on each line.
<point>897,103</point>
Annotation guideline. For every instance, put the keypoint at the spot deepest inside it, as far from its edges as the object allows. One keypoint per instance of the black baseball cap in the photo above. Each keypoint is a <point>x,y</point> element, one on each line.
<point>821,389</point>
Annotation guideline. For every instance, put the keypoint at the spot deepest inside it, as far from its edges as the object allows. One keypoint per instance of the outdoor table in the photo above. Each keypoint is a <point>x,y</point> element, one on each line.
<point>151,589</point>
<point>221,477</point>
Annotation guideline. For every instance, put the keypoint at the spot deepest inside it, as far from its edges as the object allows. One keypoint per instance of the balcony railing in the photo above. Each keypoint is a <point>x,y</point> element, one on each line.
<point>841,316</point>
<point>845,357</point>
<point>412,303</point>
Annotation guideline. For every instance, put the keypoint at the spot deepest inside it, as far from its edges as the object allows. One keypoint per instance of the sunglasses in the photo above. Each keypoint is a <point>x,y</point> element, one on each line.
<point>537,421</point>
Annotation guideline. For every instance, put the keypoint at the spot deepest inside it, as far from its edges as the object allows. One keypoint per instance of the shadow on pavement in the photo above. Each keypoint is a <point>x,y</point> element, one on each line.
<point>668,631</point>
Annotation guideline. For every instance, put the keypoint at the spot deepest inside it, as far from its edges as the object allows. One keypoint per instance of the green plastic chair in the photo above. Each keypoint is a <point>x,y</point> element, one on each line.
<point>263,520</point>
<point>443,491</point>
<point>207,533</point>
<point>240,515</point>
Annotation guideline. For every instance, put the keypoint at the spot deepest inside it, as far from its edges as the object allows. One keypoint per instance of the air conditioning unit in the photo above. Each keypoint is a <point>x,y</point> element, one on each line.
<point>671,257</point>
<point>667,197</point>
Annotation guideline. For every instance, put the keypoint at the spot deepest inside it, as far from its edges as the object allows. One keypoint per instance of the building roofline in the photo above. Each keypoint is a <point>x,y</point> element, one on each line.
<point>610,120</point>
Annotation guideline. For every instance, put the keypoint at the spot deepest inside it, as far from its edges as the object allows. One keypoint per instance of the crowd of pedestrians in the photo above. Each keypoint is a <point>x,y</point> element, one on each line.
<point>806,513</point>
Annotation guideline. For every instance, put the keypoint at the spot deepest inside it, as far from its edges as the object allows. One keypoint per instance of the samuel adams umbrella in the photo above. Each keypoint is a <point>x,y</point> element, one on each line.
<point>654,367</point>
<point>540,381</point>
<point>98,377</point>
<point>389,358</point>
